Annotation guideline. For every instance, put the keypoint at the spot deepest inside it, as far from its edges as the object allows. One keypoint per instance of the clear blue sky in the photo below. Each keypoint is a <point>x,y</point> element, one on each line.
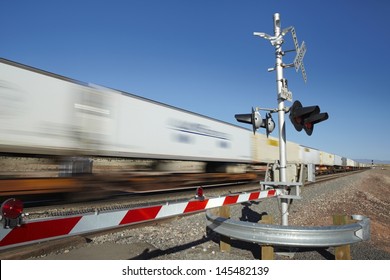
<point>202,56</point>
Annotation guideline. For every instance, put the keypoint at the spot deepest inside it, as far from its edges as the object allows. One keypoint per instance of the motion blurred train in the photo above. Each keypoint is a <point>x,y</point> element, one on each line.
<point>42,113</point>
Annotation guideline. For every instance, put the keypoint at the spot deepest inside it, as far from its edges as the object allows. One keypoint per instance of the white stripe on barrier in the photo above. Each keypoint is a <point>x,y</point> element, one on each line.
<point>103,220</point>
<point>171,209</point>
<point>215,202</point>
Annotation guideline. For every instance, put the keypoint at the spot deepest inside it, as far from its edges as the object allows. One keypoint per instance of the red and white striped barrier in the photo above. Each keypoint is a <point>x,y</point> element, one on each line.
<point>45,229</point>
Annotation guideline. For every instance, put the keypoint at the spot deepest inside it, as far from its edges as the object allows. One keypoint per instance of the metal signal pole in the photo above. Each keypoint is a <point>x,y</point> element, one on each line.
<point>281,113</point>
<point>282,94</point>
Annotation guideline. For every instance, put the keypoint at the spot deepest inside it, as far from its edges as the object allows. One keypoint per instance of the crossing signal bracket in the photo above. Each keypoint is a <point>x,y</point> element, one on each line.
<point>306,117</point>
<point>257,121</point>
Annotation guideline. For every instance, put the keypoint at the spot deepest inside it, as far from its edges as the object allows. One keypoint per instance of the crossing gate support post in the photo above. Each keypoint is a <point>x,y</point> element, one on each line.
<point>342,252</point>
<point>225,241</point>
<point>267,251</point>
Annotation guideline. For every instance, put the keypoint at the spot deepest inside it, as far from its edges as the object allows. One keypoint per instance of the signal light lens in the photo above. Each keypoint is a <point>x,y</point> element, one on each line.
<point>12,208</point>
<point>199,192</point>
<point>306,117</point>
<point>309,125</point>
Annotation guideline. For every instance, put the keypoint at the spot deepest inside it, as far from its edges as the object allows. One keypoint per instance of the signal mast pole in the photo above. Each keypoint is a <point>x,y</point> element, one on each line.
<point>312,116</point>
<point>281,114</point>
<point>281,90</point>
<point>279,86</point>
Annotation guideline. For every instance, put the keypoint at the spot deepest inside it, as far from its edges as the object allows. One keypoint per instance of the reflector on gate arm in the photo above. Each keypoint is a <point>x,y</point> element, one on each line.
<point>12,212</point>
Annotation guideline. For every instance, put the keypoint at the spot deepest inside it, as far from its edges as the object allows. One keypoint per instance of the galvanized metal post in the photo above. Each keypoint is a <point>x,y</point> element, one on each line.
<point>281,113</point>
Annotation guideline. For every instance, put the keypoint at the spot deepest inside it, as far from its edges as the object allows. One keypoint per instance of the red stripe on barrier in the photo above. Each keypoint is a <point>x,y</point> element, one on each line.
<point>193,206</point>
<point>271,193</point>
<point>254,196</point>
<point>40,230</point>
<point>230,200</point>
<point>138,215</point>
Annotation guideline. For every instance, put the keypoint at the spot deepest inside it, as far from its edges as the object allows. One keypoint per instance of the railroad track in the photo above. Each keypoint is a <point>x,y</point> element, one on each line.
<point>64,211</point>
<point>136,200</point>
<point>329,177</point>
<point>85,188</point>
<point>141,200</point>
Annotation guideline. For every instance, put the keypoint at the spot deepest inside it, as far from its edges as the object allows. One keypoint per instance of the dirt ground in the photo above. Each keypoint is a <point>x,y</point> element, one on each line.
<point>373,199</point>
<point>369,197</point>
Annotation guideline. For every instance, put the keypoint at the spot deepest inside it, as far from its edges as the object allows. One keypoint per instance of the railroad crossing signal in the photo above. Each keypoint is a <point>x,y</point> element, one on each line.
<point>283,94</point>
<point>301,51</point>
<point>257,121</point>
<point>306,117</point>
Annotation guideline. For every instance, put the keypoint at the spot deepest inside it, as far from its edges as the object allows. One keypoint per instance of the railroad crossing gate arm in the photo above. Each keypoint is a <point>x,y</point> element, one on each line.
<point>37,230</point>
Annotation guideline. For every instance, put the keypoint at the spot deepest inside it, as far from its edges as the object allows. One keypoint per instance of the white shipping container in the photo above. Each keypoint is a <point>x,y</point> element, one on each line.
<point>326,159</point>
<point>36,114</point>
<point>338,160</point>
<point>149,129</point>
<point>309,155</point>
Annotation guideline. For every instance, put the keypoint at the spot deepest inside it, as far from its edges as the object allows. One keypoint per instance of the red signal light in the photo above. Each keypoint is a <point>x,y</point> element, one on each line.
<point>12,208</point>
<point>199,192</point>
<point>298,119</point>
<point>309,125</point>
<point>306,117</point>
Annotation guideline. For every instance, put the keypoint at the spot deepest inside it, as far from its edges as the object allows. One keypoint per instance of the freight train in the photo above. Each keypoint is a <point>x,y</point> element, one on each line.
<point>42,113</point>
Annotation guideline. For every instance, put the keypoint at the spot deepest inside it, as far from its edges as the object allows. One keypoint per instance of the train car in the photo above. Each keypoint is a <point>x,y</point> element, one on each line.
<point>153,130</point>
<point>326,165</point>
<point>326,159</point>
<point>338,160</point>
<point>35,115</point>
<point>44,113</point>
<point>309,155</point>
<point>350,164</point>
<point>266,149</point>
<point>339,164</point>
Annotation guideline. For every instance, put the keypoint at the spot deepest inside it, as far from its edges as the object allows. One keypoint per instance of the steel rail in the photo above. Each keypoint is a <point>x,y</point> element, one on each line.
<point>292,236</point>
